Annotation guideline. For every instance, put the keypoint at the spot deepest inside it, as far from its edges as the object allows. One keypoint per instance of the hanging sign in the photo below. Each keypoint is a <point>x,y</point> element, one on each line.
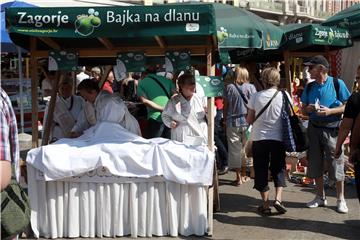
<point>178,60</point>
<point>213,86</point>
<point>131,62</point>
<point>61,60</point>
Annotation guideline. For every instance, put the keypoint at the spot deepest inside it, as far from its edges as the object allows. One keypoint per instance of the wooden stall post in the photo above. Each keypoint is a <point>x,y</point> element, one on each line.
<point>34,94</point>
<point>210,116</point>
<point>104,75</point>
<point>50,113</point>
<point>287,71</point>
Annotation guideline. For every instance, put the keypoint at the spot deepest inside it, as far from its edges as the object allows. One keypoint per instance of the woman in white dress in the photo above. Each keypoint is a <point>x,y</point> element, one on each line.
<point>107,107</point>
<point>67,112</point>
<point>185,113</point>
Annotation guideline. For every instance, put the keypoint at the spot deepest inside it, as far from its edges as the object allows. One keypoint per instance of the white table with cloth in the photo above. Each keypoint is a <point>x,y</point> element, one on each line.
<point>110,182</point>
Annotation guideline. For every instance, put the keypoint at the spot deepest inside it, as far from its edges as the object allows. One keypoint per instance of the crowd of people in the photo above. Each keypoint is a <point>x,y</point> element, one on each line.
<point>176,111</point>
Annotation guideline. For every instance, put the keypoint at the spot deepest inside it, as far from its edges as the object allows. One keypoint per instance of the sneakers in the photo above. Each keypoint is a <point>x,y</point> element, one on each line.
<point>322,202</point>
<point>341,206</point>
<point>223,171</point>
<point>317,202</point>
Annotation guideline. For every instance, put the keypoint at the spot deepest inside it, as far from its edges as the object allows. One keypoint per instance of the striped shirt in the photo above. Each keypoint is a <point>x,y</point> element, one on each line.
<point>9,143</point>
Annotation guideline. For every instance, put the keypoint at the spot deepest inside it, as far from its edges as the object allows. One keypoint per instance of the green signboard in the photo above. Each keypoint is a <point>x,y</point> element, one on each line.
<point>129,21</point>
<point>177,60</point>
<point>131,62</point>
<point>304,35</point>
<point>212,86</point>
<point>60,60</point>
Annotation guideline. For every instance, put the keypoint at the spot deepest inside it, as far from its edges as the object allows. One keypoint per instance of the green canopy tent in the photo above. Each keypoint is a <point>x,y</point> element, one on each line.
<point>103,32</point>
<point>300,40</point>
<point>240,30</point>
<point>304,40</point>
<point>348,18</point>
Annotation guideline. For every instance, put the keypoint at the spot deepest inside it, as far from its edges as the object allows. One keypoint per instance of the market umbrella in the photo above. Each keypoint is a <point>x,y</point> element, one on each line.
<point>184,24</point>
<point>307,36</point>
<point>348,18</point>
<point>242,30</point>
<point>8,46</point>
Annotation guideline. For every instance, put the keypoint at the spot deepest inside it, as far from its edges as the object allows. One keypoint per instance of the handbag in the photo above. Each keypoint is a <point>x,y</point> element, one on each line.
<point>293,132</point>
<point>15,210</point>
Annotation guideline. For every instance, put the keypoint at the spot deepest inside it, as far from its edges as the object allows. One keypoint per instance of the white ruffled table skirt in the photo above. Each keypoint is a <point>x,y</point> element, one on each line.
<point>136,207</point>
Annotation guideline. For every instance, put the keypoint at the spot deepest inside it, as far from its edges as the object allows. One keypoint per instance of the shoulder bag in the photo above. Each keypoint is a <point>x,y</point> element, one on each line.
<point>15,210</point>
<point>294,133</point>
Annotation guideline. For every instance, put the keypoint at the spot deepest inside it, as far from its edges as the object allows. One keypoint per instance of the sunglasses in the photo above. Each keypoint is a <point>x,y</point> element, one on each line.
<point>311,67</point>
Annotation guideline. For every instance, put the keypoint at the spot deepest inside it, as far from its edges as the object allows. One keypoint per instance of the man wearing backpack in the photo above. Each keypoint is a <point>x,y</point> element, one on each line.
<point>155,91</point>
<point>324,101</point>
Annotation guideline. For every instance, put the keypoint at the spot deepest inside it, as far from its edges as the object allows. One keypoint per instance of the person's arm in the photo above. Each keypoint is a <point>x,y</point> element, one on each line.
<point>344,130</point>
<point>325,111</point>
<point>5,173</point>
<point>355,135</point>
<point>250,118</point>
<point>166,115</point>
<point>151,104</point>
<point>225,109</point>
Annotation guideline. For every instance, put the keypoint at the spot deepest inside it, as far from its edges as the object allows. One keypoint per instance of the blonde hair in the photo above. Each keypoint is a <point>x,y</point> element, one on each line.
<point>242,75</point>
<point>270,77</point>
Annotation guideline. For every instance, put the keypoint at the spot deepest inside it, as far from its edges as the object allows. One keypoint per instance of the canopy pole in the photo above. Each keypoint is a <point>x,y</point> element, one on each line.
<point>287,71</point>
<point>21,90</point>
<point>210,117</point>
<point>50,112</point>
<point>34,94</point>
<point>104,76</point>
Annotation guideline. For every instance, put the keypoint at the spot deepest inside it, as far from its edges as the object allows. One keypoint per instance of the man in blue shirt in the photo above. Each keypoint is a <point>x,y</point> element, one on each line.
<point>324,101</point>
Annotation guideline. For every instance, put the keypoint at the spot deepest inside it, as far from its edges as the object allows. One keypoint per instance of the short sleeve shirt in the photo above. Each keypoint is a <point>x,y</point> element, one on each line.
<point>352,108</point>
<point>151,90</point>
<point>8,132</point>
<point>326,94</point>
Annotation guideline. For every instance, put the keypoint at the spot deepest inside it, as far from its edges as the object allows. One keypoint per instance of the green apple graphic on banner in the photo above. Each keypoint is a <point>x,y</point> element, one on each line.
<point>60,60</point>
<point>177,60</point>
<point>213,86</point>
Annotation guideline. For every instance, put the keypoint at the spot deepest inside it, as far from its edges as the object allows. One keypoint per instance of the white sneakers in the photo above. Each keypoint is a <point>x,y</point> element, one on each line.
<point>317,202</point>
<point>341,206</point>
<point>322,202</point>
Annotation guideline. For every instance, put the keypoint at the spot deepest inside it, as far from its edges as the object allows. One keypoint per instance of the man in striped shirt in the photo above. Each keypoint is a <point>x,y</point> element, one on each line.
<point>9,144</point>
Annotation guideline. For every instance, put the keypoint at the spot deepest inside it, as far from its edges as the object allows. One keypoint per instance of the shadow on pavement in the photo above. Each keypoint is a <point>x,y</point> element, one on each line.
<point>349,230</point>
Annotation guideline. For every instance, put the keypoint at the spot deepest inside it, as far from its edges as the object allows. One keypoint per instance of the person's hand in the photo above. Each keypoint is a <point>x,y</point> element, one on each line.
<point>75,134</point>
<point>310,108</point>
<point>173,124</point>
<point>323,111</point>
<point>337,152</point>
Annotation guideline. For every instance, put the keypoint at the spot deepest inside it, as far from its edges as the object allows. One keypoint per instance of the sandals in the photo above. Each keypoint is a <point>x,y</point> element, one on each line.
<point>263,211</point>
<point>279,207</point>
<point>236,183</point>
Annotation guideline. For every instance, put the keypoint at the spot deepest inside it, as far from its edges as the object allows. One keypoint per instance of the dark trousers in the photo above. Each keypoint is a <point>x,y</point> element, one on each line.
<point>357,177</point>
<point>265,153</point>
<point>220,142</point>
<point>157,129</point>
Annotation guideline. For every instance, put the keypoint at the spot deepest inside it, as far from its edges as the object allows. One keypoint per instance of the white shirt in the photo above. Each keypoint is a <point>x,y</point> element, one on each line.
<point>269,125</point>
<point>178,109</point>
<point>77,103</point>
<point>110,108</point>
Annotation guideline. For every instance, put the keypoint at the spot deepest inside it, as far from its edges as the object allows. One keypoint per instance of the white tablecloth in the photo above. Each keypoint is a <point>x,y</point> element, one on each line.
<point>116,206</point>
